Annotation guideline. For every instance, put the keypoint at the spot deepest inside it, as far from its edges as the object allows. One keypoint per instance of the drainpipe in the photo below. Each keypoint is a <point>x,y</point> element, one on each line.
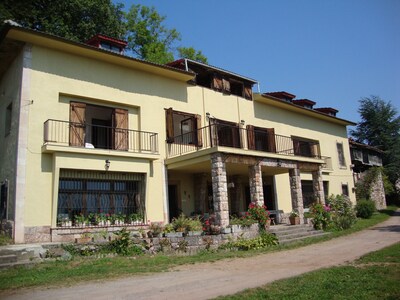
<point>186,65</point>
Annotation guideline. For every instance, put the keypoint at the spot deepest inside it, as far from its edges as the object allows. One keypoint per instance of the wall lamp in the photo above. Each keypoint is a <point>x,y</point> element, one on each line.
<point>242,122</point>
<point>107,166</point>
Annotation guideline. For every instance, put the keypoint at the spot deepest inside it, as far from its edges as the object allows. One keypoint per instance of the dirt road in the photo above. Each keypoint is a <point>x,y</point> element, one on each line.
<point>208,280</point>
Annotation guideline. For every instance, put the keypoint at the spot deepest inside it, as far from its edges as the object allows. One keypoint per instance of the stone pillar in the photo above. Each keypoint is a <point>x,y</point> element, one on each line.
<point>220,190</point>
<point>377,193</point>
<point>318,186</point>
<point>200,193</point>
<point>297,195</point>
<point>256,186</point>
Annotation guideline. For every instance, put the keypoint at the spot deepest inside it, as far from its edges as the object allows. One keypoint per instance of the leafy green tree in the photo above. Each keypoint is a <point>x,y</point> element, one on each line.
<point>76,20</point>
<point>147,37</point>
<point>192,53</point>
<point>380,127</point>
<point>79,20</point>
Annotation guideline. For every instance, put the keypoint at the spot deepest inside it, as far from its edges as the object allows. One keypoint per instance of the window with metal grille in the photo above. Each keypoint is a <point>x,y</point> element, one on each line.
<point>85,192</point>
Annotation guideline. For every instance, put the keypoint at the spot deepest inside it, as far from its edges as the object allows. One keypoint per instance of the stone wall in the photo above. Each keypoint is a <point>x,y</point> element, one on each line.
<point>377,193</point>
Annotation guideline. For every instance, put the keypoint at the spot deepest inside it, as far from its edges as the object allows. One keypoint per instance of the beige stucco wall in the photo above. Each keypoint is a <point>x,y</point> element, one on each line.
<point>58,78</point>
<point>10,89</point>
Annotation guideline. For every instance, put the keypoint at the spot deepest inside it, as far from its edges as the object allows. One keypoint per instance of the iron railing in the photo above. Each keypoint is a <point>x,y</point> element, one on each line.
<point>99,137</point>
<point>235,137</point>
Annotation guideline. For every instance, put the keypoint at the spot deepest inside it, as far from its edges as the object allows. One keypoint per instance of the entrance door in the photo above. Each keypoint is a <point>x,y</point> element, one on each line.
<point>269,199</point>
<point>174,209</point>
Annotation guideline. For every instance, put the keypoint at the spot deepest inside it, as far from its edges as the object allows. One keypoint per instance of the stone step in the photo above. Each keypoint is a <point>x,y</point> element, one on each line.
<point>292,231</point>
<point>292,240</point>
<point>8,258</point>
<point>299,235</point>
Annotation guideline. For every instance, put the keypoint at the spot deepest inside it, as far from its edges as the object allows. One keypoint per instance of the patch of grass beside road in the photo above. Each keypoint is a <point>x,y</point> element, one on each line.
<point>90,268</point>
<point>374,276</point>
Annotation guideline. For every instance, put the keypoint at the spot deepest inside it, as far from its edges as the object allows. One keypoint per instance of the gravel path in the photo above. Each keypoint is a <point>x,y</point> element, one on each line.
<point>208,280</point>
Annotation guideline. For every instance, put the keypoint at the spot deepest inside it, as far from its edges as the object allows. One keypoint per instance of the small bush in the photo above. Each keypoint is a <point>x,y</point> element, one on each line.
<point>365,209</point>
<point>342,211</point>
<point>262,241</point>
<point>321,216</point>
<point>122,242</point>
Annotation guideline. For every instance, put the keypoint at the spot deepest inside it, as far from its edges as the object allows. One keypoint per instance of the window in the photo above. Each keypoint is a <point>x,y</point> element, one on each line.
<point>261,139</point>
<point>225,133</point>
<point>342,161</point>
<point>85,192</point>
<point>345,189</point>
<point>304,147</point>
<point>8,119</point>
<point>98,126</point>
<point>183,128</point>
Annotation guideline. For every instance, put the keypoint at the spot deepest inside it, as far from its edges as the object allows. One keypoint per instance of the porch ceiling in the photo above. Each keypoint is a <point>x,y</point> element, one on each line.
<point>232,169</point>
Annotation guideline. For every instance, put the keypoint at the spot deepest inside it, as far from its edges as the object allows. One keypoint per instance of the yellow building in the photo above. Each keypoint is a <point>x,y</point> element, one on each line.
<point>89,131</point>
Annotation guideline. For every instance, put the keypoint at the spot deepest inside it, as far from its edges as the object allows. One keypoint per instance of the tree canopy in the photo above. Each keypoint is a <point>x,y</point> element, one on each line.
<point>148,38</point>
<point>380,127</point>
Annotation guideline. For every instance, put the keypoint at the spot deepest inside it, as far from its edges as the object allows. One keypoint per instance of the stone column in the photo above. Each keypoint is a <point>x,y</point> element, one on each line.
<point>297,195</point>
<point>200,192</point>
<point>220,189</point>
<point>377,193</point>
<point>256,186</point>
<point>318,186</point>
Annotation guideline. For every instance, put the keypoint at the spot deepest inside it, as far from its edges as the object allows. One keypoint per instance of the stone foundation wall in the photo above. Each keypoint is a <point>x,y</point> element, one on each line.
<point>377,193</point>
<point>37,234</point>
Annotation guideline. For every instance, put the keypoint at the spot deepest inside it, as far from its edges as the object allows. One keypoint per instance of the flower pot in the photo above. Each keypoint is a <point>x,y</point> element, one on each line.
<point>294,220</point>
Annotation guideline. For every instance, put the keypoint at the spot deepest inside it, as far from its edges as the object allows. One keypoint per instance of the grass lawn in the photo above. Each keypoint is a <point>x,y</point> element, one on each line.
<point>374,276</point>
<point>83,269</point>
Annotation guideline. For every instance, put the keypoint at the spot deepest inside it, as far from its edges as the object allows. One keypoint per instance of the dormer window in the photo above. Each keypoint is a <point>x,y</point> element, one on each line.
<point>217,79</point>
<point>108,43</point>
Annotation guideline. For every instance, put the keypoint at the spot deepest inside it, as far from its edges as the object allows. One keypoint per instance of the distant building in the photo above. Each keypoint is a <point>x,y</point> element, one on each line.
<point>364,157</point>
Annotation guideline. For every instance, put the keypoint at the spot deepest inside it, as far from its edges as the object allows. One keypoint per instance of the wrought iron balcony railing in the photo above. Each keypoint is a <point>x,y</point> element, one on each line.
<point>236,137</point>
<point>66,133</point>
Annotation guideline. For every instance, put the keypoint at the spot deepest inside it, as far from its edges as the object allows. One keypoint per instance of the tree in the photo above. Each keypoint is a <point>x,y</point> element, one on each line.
<point>380,127</point>
<point>76,20</point>
<point>192,53</point>
<point>79,20</point>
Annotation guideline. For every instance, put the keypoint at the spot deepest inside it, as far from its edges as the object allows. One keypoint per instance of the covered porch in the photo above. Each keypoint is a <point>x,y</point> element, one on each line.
<point>225,183</point>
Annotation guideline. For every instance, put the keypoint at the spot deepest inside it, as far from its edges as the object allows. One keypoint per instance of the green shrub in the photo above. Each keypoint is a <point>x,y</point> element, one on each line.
<point>245,221</point>
<point>121,243</point>
<point>342,212</point>
<point>262,241</point>
<point>365,208</point>
<point>321,216</point>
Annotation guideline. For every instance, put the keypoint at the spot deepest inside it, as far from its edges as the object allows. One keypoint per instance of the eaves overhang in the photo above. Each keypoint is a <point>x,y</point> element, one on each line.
<point>34,37</point>
<point>266,99</point>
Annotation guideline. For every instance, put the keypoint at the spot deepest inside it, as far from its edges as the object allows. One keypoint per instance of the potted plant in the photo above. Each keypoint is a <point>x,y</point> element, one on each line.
<point>194,227</point>
<point>156,229</point>
<point>294,218</point>
<point>80,220</point>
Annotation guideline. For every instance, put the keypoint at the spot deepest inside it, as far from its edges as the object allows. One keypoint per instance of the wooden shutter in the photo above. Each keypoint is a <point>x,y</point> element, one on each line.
<point>217,83</point>
<point>169,118</point>
<point>271,140</point>
<point>248,93</point>
<point>77,124</point>
<point>226,85</point>
<point>250,137</point>
<point>296,146</point>
<point>120,128</point>
<point>199,131</point>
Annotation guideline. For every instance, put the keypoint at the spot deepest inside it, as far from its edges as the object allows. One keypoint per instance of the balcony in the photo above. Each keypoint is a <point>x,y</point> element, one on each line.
<point>70,134</point>
<point>217,135</point>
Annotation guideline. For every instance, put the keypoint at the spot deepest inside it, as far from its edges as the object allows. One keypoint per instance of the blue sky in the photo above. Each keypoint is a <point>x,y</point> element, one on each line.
<point>331,52</point>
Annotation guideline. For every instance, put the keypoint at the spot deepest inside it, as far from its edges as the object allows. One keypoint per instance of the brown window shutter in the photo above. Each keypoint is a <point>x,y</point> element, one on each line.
<point>226,86</point>
<point>250,137</point>
<point>169,117</point>
<point>77,124</point>
<point>120,124</point>
<point>271,140</point>
<point>296,146</point>
<point>217,83</point>
<point>248,93</point>
<point>199,131</point>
